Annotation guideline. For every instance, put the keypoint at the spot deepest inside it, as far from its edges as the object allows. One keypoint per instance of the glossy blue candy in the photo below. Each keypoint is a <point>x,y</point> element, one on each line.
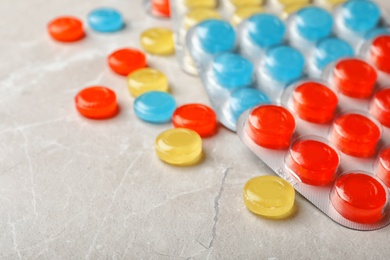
<point>216,36</point>
<point>244,98</point>
<point>232,70</point>
<point>314,23</point>
<point>331,49</point>
<point>105,20</point>
<point>284,64</point>
<point>155,107</point>
<point>266,30</point>
<point>377,32</point>
<point>360,15</point>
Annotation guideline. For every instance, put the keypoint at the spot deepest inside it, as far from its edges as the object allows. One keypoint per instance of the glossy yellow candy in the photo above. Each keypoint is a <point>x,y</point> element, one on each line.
<point>238,3</point>
<point>198,15</point>
<point>179,146</point>
<point>200,3</point>
<point>245,12</point>
<point>289,2</point>
<point>158,41</point>
<point>292,8</point>
<point>333,3</point>
<point>145,80</point>
<point>269,196</point>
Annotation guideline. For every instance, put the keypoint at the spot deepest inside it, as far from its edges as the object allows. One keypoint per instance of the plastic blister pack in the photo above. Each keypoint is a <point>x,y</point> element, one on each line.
<point>262,39</point>
<point>187,13</point>
<point>327,140</point>
<point>322,134</point>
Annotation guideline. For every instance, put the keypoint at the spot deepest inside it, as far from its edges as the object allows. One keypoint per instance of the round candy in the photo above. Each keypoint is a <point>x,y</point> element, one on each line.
<point>269,196</point>
<point>200,118</point>
<point>331,49</point>
<point>244,12</point>
<point>161,8</point>
<point>105,20</point>
<point>271,126</point>
<point>380,53</point>
<point>179,146</point>
<point>145,80</point>
<point>360,16</point>
<point>380,107</point>
<point>354,78</point>
<point>266,30</point>
<point>284,64</point>
<point>66,29</point>
<point>383,166</point>
<point>313,161</point>
<point>359,197</point>
<point>313,23</point>
<point>96,102</point>
<point>356,135</point>
<point>125,61</point>
<point>155,107</point>
<point>232,70</point>
<point>215,36</point>
<point>197,15</point>
<point>314,102</point>
<point>244,98</point>
<point>158,41</point>
<point>200,3</point>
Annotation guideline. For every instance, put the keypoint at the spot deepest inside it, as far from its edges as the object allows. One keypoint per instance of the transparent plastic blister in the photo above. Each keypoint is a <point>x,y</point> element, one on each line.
<point>307,26</point>
<point>329,144</point>
<point>188,13</point>
<point>377,51</point>
<point>355,18</point>
<point>230,82</point>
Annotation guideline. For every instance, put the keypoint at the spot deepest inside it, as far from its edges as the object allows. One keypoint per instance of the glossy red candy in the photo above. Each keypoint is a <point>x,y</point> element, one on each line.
<point>96,102</point>
<point>197,117</point>
<point>359,197</point>
<point>356,135</point>
<point>380,53</point>
<point>125,61</point>
<point>66,29</point>
<point>271,126</point>
<point>314,102</point>
<point>380,107</point>
<point>314,162</point>
<point>354,78</point>
<point>161,8</point>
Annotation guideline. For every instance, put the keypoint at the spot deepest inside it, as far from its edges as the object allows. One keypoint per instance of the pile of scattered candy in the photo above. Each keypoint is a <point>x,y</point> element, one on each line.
<point>285,76</point>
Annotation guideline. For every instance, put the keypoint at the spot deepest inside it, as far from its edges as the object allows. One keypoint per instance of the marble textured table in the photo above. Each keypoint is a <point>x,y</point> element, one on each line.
<point>72,188</point>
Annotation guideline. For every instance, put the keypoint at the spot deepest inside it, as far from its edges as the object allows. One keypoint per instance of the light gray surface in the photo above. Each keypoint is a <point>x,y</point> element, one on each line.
<point>72,188</point>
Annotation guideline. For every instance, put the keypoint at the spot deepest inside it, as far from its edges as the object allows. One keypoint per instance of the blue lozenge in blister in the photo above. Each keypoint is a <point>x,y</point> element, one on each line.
<point>259,32</point>
<point>209,38</point>
<point>326,51</point>
<point>307,26</point>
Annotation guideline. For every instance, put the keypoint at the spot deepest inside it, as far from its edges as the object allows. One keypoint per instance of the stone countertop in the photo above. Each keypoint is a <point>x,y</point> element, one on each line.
<point>72,188</point>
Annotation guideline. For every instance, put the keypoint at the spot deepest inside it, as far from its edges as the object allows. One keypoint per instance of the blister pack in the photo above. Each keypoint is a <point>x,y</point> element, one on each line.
<point>329,139</point>
<point>315,121</point>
